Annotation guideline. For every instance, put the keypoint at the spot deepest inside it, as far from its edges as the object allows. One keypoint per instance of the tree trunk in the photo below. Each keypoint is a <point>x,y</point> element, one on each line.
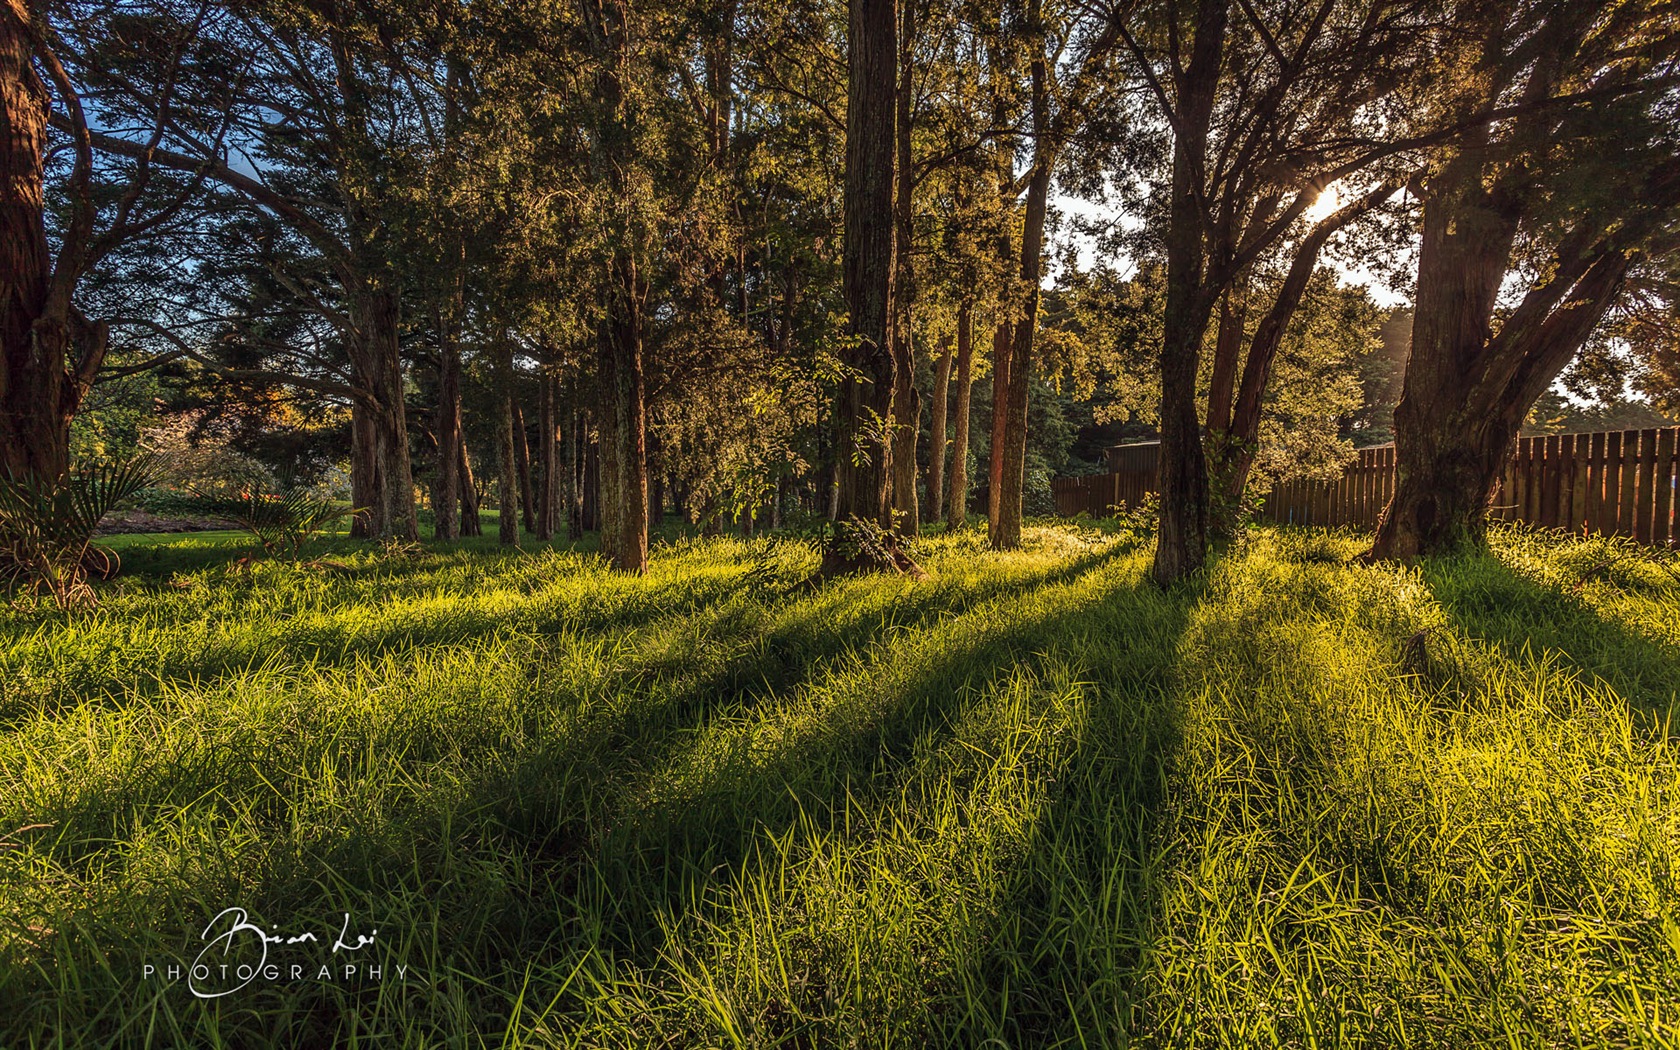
<point>1467,386</point>
<point>907,402</point>
<point>379,421</point>
<point>470,523</point>
<point>1006,535</point>
<point>34,428</point>
<point>956,505</point>
<point>446,484</point>
<point>624,535</point>
<point>592,484</point>
<point>577,463</point>
<point>936,437</point>
<point>548,498</point>
<point>522,464</point>
<point>507,473</point>
<point>1227,355</point>
<point>1002,358</point>
<point>1181,545</point>
<point>863,409</point>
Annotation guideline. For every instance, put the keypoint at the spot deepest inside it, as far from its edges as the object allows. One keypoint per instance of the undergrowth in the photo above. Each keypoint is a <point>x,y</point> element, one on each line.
<point>1032,801</point>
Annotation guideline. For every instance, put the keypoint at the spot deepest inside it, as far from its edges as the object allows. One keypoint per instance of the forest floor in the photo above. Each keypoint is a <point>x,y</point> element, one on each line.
<point>1034,800</point>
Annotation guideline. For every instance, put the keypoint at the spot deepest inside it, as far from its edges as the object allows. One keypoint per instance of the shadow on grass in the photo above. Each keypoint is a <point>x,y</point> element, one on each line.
<point>695,825</point>
<point>776,657</point>
<point>1485,599</point>
<point>644,825</point>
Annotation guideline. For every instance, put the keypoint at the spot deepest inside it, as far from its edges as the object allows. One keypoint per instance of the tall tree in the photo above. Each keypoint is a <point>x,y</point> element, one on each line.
<point>863,408</point>
<point>1576,185</point>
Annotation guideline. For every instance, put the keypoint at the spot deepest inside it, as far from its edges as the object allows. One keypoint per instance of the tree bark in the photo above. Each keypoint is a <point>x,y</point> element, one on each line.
<point>522,464</point>
<point>384,491</point>
<point>1002,358</point>
<point>446,484</point>
<point>863,408</point>
<point>1181,545</point>
<point>41,385</point>
<point>624,536</point>
<point>907,402</point>
<point>507,473</point>
<point>956,504</point>
<point>548,499</point>
<point>1006,526</point>
<point>577,462</point>
<point>1467,386</point>
<point>470,523</point>
<point>937,440</point>
<point>1006,534</point>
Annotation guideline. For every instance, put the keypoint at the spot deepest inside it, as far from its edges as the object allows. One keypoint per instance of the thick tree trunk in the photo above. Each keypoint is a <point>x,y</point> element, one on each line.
<point>863,409</point>
<point>1468,387</point>
<point>956,504</point>
<point>446,483</point>
<point>470,523</point>
<point>1181,545</point>
<point>36,401</point>
<point>936,436</point>
<point>907,401</point>
<point>379,421</point>
<point>1006,533</point>
<point>624,534</point>
<point>522,464</point>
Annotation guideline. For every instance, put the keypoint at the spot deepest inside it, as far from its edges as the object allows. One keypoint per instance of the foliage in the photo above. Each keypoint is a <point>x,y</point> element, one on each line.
<point>282,522</point>
<point>47,526</point>
<point>1036,801</point>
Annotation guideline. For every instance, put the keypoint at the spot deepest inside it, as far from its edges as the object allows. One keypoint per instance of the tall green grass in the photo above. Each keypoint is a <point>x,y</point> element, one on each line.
<point>1031,802</point>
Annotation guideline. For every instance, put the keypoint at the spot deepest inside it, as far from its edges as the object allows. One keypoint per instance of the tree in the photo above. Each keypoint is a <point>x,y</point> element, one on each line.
<point>863,408</point>
<point>1267,105</point>
<point>1567,193</point>
<point>50,351</point>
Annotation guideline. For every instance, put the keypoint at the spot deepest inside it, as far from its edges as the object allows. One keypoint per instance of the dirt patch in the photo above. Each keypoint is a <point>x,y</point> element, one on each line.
<point>123,522</point>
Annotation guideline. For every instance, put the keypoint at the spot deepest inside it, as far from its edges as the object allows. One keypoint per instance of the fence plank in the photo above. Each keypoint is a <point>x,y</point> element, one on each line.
<point>1578,482</point>
<point>1665,531</point>
<point>1610,509</point>
<point>1566,480</point>
<point>1645,491</point>
<point>1630,477</point>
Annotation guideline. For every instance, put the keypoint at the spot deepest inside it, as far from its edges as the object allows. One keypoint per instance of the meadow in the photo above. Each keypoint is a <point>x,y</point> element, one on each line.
<point>1032,801</point>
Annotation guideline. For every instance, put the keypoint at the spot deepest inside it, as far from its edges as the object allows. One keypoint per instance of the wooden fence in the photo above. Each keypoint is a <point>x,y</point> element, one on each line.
<point>1622,482</point>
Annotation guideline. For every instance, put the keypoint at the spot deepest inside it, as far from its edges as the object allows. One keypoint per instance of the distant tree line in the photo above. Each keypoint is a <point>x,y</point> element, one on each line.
<point>745,259</point>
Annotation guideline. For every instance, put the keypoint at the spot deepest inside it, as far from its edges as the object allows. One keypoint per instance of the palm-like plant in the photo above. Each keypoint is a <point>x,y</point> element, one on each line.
<point>47,526</point>
<point>280,522</point>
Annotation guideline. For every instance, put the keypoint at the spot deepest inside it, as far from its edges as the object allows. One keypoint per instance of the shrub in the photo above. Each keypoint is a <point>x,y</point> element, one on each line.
<point>47,527</point>
<point>280,522</point>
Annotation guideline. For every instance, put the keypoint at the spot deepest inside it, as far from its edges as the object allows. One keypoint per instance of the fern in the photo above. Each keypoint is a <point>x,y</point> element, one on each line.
<point>47,526</point>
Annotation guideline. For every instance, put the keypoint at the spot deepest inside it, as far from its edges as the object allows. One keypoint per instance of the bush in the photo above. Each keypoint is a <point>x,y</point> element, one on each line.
<point>47,527</point>
<point>280,522</point>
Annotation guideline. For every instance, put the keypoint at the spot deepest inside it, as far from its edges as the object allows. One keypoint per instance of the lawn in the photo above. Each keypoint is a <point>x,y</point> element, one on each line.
<point>1033,801</point>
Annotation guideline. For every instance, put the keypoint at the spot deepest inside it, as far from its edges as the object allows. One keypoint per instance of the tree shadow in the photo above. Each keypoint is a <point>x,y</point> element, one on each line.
<point>705,818</point>
<point>644,820</point>
<point>1487,600</point>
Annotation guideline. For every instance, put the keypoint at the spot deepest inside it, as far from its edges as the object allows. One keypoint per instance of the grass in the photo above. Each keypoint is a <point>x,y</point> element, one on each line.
<point>1033,802</point>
